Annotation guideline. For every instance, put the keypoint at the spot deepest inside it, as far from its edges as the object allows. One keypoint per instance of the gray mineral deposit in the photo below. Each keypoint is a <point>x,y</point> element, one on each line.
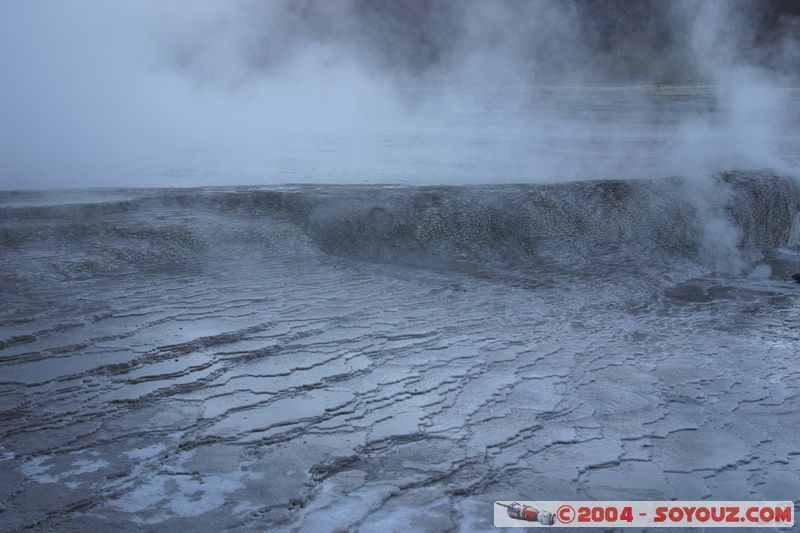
<point>359,265</point>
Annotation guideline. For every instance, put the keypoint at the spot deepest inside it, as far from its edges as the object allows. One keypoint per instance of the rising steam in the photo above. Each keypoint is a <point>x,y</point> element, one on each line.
<point>204,92</point>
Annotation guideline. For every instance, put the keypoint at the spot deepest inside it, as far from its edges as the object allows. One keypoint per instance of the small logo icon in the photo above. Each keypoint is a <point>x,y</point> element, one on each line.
<point>529,514</point>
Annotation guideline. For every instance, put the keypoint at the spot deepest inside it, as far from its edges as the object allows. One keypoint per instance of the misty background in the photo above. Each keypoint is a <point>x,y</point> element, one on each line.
<point>179,93</point>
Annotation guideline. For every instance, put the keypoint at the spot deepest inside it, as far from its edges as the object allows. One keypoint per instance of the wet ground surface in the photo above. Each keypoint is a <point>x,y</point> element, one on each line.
<point>149,381</point>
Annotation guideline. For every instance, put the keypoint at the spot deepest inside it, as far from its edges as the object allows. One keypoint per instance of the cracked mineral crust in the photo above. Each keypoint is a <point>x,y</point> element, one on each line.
<point>317,358</point>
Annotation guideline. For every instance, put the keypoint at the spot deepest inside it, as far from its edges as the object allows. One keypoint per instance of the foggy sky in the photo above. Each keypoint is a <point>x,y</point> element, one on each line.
<point>98,92</point>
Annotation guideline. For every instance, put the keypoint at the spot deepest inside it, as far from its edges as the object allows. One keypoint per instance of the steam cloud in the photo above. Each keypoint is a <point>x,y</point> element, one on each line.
<point>122,93</point>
